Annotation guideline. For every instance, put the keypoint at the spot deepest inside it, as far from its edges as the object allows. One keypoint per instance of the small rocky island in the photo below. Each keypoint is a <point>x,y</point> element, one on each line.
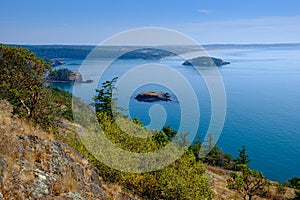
<point>150,96</point>
<point>66,76</point>
<point>205,61</point>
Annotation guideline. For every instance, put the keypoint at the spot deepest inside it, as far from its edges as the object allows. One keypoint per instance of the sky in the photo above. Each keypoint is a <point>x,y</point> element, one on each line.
<point>92,21</point>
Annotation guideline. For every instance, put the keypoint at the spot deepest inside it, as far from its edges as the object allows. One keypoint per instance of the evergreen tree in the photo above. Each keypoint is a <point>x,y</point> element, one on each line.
<point>243,157</point>
<point>294,183</point>
<point>105,101</point>
<point>169,132</point>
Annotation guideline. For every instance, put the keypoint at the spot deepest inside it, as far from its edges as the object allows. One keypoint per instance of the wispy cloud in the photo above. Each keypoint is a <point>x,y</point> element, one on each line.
<point>256,30</point>
<point>205,11</point>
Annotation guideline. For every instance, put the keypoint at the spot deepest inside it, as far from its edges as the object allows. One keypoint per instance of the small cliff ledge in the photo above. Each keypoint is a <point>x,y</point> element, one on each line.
<point>205,61</point>
<point>150,96</point>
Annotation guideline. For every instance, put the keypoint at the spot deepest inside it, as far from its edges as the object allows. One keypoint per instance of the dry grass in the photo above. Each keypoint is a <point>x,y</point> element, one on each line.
<point>220,191</point>
<point>21,156</point>
<point>65,183</point>
<point>113,190</point>
<point>14,173</point>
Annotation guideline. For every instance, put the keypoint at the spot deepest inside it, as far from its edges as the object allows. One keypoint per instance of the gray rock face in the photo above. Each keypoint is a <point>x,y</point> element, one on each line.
<point>76,77</point>
<point>57,169</point>
<point>150,96</point>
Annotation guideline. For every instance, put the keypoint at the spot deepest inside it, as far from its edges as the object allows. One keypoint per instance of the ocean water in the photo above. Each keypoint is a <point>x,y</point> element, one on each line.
<point>263,102</point>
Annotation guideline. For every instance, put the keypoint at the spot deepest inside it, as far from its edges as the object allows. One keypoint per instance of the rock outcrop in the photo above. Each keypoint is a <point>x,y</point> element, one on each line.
<point>204,61</point>
<point>66,76</point>
<point>150,96</point>
<point>33,165</point>
<point>75,77</point>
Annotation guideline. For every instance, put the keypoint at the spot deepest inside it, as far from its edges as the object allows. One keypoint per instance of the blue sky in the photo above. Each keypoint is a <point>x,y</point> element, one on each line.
<point>92,21</point>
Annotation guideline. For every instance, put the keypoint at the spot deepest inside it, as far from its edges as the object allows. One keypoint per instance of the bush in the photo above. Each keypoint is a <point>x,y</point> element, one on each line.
<point>249,182</point>
<point>22,83</point>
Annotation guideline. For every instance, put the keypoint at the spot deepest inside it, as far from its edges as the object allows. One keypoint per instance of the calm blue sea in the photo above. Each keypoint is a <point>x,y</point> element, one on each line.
<point>263,102</point>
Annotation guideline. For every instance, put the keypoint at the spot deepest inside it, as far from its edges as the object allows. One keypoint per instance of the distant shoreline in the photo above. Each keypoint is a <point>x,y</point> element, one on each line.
<point>82,51</point>
<point>71,82</point>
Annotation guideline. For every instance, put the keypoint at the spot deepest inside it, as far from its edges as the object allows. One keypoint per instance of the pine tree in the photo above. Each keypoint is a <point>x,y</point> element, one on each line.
<point>105,100</point>
<point>243,157</point>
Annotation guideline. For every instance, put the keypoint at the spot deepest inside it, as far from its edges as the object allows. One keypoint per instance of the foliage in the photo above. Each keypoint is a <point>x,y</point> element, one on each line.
<point>161,139</point>
<point>22,83</point>
<point>169,132</point>
<point>60,75</point>
<point>293,183</point>
<point>217,157</point>
<point>63,99</point>
<point>195,148</point>
<point>137,122</point>
<point>122,139</point>
<point>280,189</point>
<point>183,179</point>
<point>249,182</point>
<point>105,101</point>
<point>243,157</point>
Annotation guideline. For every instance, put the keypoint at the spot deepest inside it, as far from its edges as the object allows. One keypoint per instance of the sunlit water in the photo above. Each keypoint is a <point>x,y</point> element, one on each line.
<point>263,103</point>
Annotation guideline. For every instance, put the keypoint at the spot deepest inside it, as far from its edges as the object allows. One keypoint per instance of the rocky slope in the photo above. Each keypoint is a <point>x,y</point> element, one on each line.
<point>33,165</point>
